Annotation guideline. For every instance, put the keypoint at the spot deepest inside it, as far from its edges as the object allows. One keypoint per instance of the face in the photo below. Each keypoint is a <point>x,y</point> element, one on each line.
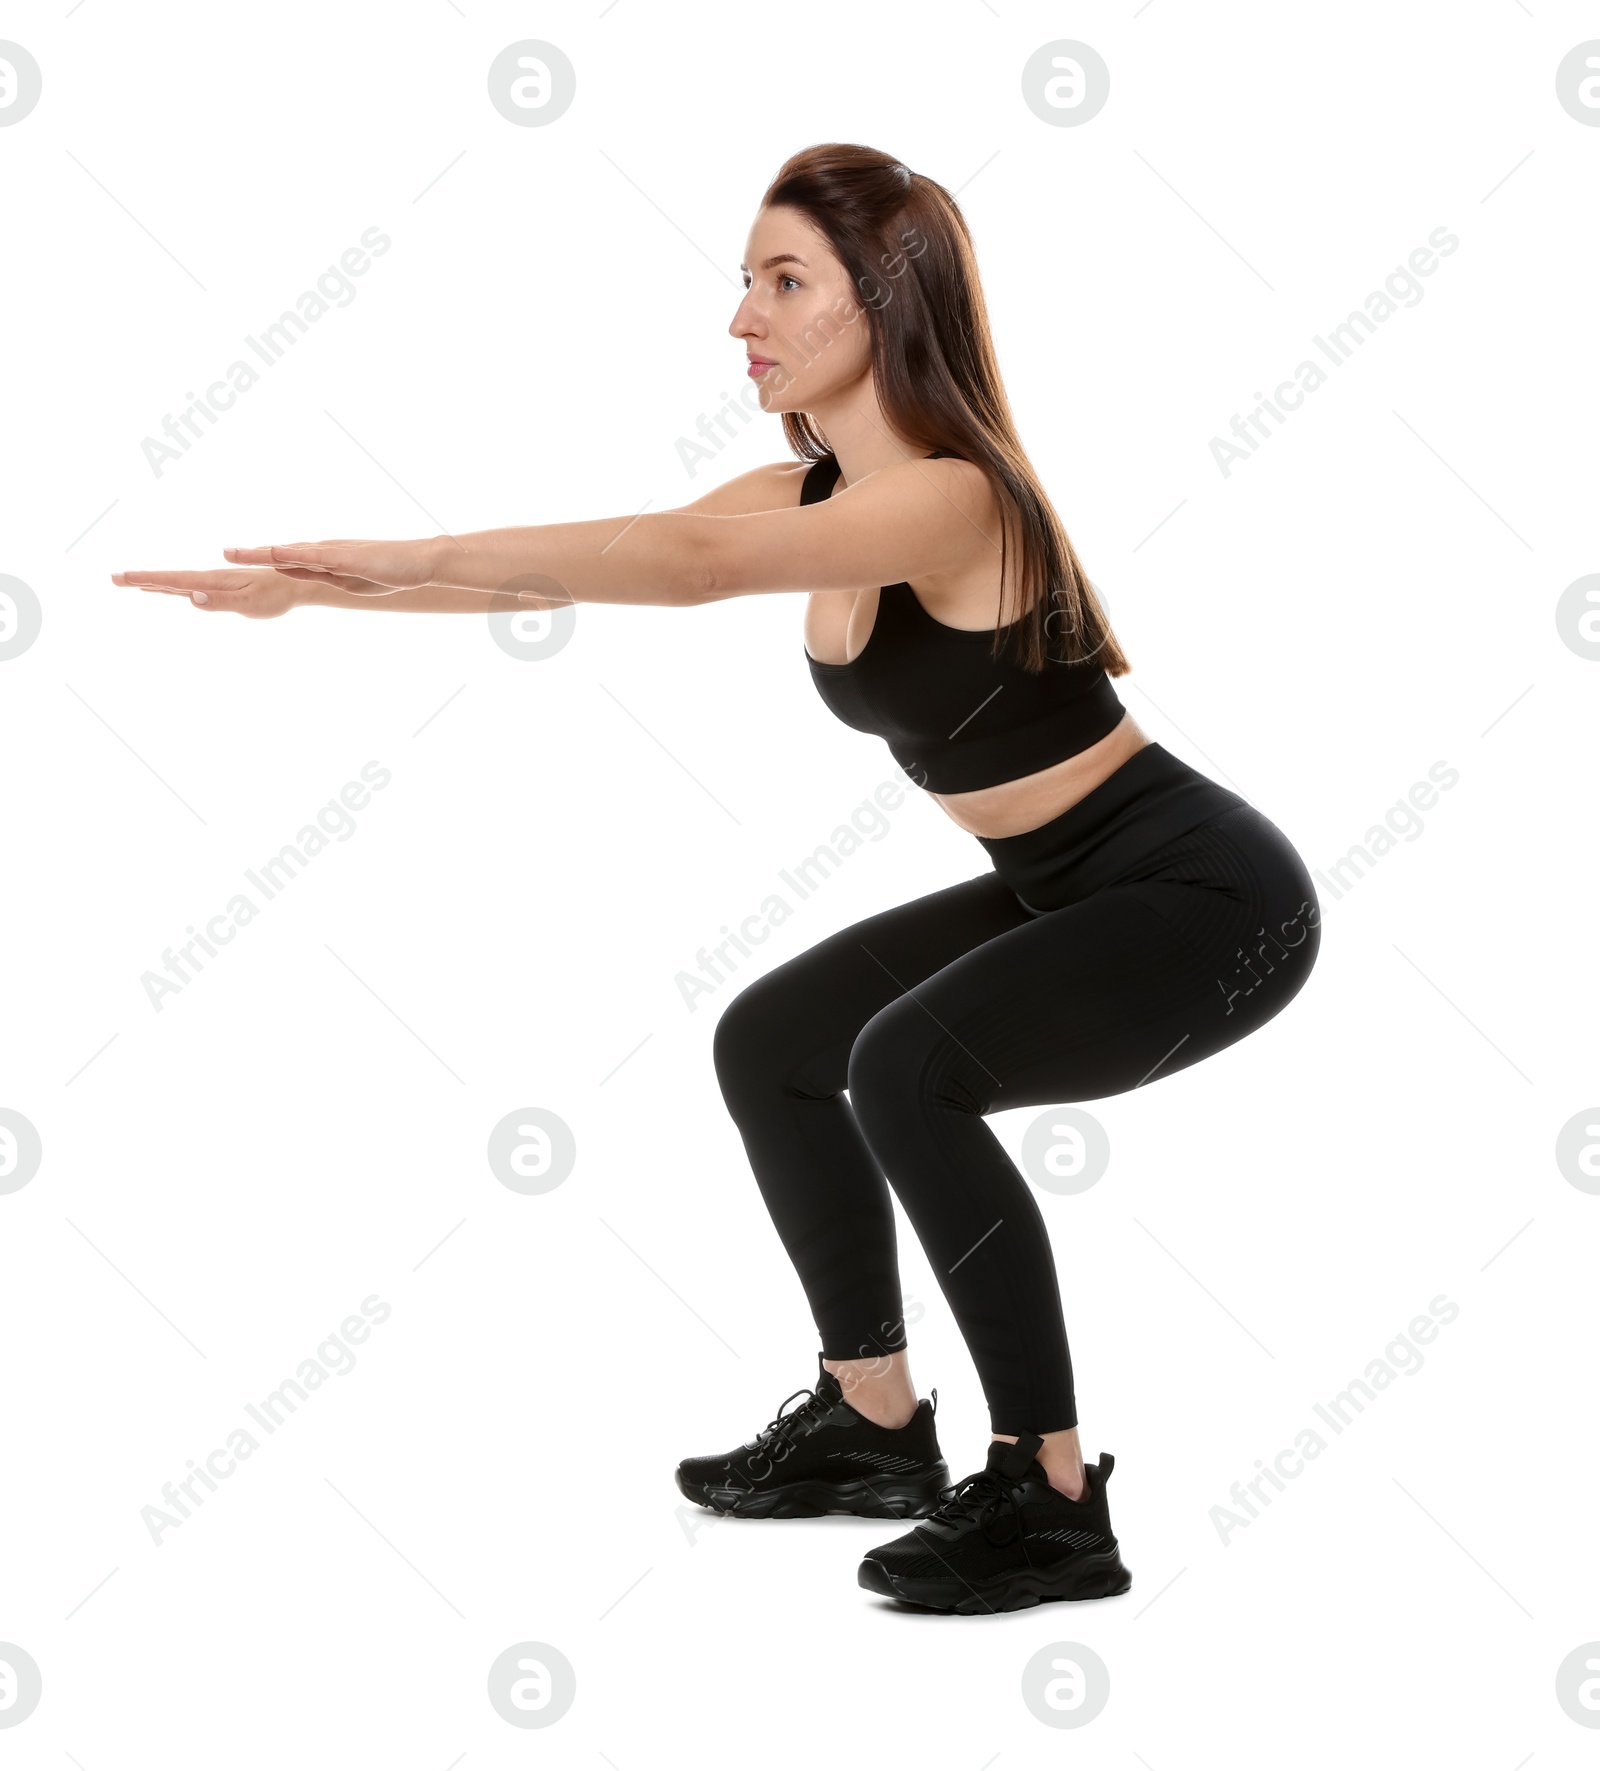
<point>805,334</point>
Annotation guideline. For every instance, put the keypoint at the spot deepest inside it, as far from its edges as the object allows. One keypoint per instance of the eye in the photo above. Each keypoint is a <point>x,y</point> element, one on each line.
<point>786,278</point>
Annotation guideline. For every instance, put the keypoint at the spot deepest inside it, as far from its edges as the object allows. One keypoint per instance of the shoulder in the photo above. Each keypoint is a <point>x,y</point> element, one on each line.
<point>947,472</point>
<point>775,486</point>
<point>941,485</point>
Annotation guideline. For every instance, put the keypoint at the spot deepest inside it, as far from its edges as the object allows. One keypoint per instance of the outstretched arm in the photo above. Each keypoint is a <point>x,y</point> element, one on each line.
<point>900,522</point>
<point>772,487</point>
<point>903,521</point>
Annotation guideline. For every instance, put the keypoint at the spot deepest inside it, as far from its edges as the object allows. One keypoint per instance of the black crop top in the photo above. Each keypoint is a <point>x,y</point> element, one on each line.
<point>955,718</point>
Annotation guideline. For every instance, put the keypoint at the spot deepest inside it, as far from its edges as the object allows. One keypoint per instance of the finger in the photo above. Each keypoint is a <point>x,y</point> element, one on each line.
<point>263,556</point>
<point>183,582</point>
<point>300,553</point>
<point>206,590</point>
<point>320,554</point>
<point>202,598</point>
<point>317,554</point>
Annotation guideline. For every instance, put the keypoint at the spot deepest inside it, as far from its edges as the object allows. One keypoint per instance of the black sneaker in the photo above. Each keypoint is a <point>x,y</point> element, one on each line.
<point>1005,1539</point>
<point>824,1457</point>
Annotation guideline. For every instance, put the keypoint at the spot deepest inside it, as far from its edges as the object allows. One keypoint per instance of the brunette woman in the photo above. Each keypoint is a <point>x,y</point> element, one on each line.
<point>1135,916</point>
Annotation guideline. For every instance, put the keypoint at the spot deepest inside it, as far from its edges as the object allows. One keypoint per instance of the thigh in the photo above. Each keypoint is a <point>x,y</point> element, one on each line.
<point>805,1014</point>
<point>1130,984</point>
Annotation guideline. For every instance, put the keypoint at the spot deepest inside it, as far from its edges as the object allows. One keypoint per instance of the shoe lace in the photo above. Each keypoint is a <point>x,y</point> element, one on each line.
<point>779,1432</point>
<point>986,1499</point>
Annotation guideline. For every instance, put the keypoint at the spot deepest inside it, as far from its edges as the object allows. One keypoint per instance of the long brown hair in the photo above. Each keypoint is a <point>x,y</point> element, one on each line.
<point>909,255</point>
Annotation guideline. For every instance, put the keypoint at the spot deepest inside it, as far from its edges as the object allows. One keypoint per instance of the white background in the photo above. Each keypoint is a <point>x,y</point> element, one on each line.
<point>304,1125</point>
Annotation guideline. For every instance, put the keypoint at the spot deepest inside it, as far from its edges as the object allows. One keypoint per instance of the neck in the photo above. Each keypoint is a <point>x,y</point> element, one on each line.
<point>860,434</point>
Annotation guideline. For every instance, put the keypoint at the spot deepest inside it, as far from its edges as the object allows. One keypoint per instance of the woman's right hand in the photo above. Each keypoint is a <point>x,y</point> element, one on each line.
<point>256,594</point>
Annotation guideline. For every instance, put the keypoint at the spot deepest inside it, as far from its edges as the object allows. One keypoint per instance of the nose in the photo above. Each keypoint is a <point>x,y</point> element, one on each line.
<point>747,321</point>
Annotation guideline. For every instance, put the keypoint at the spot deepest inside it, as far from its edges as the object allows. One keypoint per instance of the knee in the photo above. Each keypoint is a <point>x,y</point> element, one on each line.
<point>903,1062</point>
<point>888,1065</point>
<point>753,1047</point>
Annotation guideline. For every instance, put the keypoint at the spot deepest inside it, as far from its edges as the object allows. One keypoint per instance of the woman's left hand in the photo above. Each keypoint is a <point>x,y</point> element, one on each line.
<point>396,565</point>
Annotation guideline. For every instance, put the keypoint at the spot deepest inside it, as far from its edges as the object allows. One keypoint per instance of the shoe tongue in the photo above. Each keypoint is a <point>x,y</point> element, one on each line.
<point>827,1385</point>
<point>1013,1461</point>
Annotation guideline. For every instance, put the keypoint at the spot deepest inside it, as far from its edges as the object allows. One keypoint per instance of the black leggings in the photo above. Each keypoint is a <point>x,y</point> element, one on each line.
<point>1156,921</point>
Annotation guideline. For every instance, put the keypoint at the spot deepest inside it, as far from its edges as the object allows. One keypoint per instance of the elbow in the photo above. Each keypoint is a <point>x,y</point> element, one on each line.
<point>702,575</point>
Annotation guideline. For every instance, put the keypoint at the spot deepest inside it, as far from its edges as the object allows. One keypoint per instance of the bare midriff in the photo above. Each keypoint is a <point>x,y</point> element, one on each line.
<point>1031,800</point>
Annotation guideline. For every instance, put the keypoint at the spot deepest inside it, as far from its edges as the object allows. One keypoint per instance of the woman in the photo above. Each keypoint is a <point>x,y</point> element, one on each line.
<point>1137,916</point>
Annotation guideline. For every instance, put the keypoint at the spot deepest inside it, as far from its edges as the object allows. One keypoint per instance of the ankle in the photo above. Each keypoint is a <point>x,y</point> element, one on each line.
<point>882,1413</point>
<point>1073,1483</point>
<point>880,1389</point>
<point>1061,1460</point>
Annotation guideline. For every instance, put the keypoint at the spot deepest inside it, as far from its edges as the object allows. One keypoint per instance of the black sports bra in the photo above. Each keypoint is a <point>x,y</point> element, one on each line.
<point>955,718</point>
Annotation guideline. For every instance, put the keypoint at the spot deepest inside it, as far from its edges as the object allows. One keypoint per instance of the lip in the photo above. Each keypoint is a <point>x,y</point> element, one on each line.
<point>759,365</point>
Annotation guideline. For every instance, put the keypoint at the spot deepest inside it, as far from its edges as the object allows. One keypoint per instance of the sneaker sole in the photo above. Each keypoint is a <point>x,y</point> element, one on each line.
<point>905,1497</point>
<point>1100,1576</point>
